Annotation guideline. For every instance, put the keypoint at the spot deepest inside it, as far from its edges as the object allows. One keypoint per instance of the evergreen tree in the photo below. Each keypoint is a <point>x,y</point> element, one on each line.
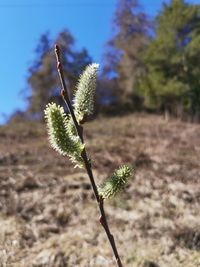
<point>172,60</point>
<point>125,48</point>
<point>42,78</point>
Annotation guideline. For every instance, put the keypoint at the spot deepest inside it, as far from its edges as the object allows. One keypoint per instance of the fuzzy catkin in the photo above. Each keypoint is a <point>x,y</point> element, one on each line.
<point>85,92</point>
<point>113,185</point>
<point>60,140</point>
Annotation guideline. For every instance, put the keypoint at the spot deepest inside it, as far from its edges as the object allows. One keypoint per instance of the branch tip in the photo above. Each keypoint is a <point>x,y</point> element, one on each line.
<point>57,49</point>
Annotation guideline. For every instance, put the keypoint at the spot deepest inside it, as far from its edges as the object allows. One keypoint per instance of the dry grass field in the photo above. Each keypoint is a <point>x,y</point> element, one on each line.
<point>48,217</point>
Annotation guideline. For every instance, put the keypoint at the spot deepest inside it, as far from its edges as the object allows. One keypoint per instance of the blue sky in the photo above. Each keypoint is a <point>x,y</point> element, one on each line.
<point>23,21</point>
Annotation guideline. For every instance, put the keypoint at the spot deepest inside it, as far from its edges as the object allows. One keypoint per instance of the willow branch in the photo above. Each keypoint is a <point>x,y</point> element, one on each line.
<point>86,160</point>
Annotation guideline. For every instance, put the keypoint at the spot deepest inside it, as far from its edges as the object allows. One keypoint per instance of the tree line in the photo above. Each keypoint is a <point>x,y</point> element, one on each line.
<point>149,64</point>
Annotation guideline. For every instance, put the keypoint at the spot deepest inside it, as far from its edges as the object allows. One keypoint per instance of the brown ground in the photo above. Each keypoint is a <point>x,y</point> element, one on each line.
<point>48,217</point>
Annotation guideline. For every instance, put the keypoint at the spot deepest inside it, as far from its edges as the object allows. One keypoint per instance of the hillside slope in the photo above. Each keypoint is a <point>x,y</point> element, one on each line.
<point>47,213</point>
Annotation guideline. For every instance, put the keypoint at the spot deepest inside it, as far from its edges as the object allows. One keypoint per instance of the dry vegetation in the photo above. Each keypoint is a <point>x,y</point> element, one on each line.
<point>47,214</point>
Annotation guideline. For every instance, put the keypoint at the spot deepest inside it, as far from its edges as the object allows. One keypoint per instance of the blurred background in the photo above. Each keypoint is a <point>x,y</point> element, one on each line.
<point>148,54</point>
<point>147,114</point>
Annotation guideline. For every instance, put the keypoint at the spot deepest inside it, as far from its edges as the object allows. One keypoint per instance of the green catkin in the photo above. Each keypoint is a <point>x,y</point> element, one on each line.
<point>113,185</point>
<point>85,92</point>
<point>60,140</point>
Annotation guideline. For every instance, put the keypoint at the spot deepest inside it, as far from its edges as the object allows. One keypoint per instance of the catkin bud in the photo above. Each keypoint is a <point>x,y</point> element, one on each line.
<point>59,138</point>
<point>115,183</point>
<point>84,95</point>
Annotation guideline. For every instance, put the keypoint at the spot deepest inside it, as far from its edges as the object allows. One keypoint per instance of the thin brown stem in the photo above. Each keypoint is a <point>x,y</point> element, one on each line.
<point>79,129</point>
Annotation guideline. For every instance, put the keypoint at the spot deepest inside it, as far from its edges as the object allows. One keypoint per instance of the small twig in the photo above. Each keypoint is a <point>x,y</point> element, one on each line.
<point>79,129</point>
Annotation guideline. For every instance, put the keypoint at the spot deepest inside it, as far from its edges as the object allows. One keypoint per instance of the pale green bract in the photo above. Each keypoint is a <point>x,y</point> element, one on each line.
<point>113,185</point>
<point>59,137</point>
<point>85,92</point>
